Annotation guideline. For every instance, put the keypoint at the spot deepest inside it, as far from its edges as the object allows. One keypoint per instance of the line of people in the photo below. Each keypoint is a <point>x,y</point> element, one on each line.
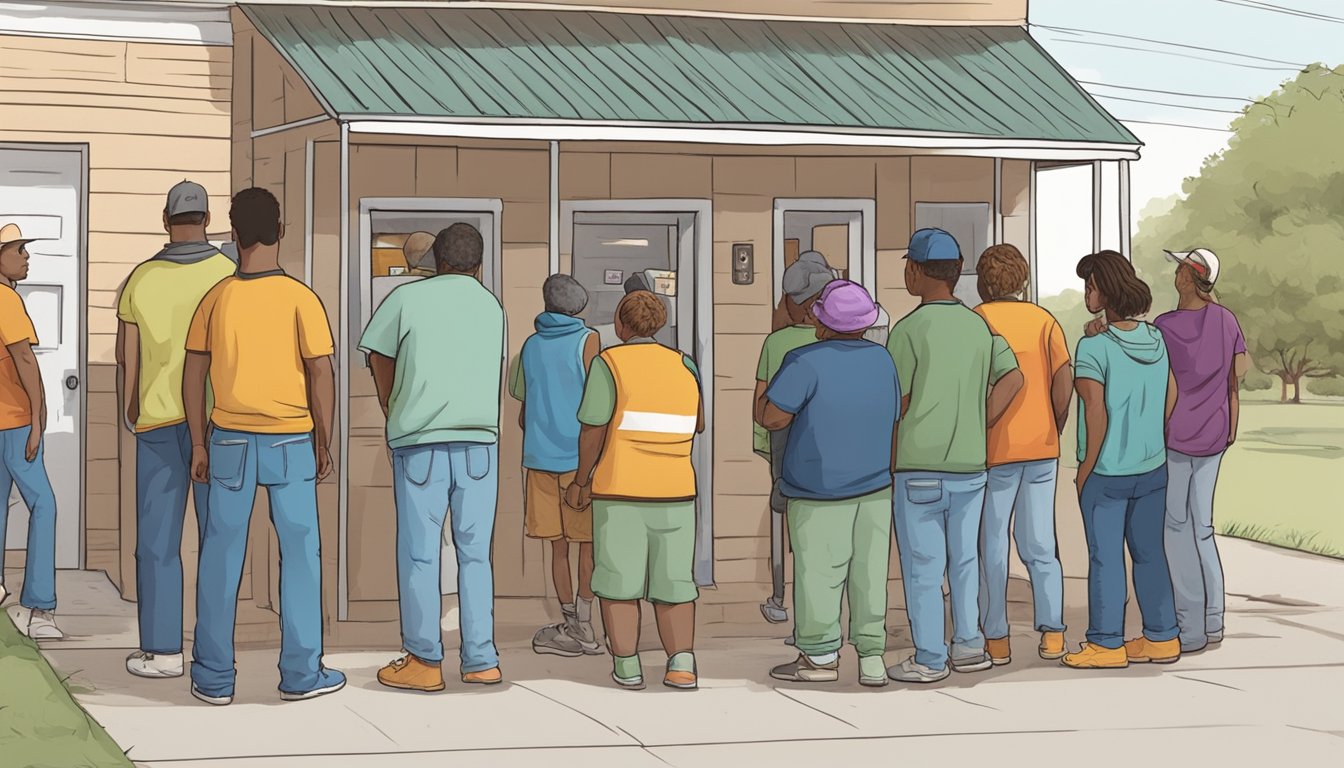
<point>953,438</point>
<point>944,436</point>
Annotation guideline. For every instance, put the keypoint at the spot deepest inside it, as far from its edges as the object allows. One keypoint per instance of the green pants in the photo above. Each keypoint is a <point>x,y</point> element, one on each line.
<point>644,550</point>
<point>839,544</point>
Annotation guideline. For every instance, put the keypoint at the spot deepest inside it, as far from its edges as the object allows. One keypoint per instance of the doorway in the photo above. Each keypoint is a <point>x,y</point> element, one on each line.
<point>664,246</point>
<point>42,189</point>
<point>843,230</point>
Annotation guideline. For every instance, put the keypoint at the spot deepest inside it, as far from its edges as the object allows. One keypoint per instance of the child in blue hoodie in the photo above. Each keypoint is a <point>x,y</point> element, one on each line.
<point>549,381</point>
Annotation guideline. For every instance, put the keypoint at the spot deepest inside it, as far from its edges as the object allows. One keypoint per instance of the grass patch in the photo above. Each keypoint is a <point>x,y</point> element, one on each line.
<point>40,724</point>
<point>1282,537</point>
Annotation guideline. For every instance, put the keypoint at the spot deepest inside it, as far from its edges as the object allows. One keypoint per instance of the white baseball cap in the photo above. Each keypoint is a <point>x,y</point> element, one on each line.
<point>1202,260</point>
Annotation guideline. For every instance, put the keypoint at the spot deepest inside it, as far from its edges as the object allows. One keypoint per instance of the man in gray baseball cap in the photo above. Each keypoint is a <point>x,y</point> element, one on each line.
<point>802,283</point>
<point>153,312</point>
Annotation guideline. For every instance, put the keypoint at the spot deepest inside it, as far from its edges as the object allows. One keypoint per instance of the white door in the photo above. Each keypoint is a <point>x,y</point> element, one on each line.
<point>42,190</point>
<point>970,224</point>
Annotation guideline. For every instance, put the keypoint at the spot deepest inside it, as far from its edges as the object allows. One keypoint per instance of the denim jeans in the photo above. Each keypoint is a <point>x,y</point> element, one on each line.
<point>39,572</point>
<point>1119,510</point>
<point>429,481</point>
<point>1192,553</point>
<point>1022,493</point>
<point>937,516</point>
<point>162,479</point>
<point>285,466</point>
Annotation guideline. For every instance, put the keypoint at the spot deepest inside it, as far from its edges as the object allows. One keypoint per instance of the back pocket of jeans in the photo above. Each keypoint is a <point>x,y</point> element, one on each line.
<point>227,458</point>
<point>478,462</point>
<point>417,465</point>
<point>924,491</point>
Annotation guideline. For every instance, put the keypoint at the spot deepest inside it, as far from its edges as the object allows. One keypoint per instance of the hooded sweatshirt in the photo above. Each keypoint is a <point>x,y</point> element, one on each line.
<point>1132,368</point>
<point>552,375</point>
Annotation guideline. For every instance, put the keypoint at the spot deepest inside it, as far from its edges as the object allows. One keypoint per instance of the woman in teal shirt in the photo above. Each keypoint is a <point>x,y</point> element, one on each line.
<point>1123,380</point>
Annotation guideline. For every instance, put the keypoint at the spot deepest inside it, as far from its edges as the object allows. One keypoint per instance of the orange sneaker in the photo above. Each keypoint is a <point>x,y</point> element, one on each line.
<point>1141,650</point>
<point>490,676</point>
<point>411,674</point>
<point>999,650</point>
<point>1095,657</point>
<point>1052,645</point>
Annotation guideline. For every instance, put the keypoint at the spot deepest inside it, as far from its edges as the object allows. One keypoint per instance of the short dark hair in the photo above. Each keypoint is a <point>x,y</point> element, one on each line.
<point>459,248</point>
<point>194,218</point>
<point>564,295</point>
<point>255,216</point>
<point>941,269</point>
<point>1117,282</point>
<point>642,312</point>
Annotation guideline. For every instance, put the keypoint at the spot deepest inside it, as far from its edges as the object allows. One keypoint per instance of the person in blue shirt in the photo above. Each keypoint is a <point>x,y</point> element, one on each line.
<point>840,400</point>
<point>548,381</point>
<point>1123,380</point>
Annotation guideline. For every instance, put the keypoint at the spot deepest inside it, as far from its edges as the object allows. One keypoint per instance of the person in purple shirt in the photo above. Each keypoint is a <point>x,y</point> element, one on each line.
<point>1208,358</point>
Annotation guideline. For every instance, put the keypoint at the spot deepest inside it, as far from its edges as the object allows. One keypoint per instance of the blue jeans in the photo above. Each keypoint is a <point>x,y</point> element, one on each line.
<point>286,467</point>
<point>1027,488</point>
<point>1192,553</point>
<point>1119,510</point>
<point>39,572</point>
<point>162,478</point>
<point>428,481</point>
<point>937,516</point>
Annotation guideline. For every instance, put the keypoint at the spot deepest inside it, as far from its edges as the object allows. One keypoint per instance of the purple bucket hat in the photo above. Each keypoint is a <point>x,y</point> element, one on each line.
<point>845,307</point>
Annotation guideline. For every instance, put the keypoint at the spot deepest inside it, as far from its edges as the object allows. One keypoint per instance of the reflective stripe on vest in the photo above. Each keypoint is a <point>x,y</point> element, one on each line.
<point>648,447</point>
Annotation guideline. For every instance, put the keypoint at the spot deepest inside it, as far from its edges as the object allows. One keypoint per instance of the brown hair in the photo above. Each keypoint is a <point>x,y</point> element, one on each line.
<point>1114,278</point>
<point>941,269</point>
<point>1001,271</point>
<point>642,313</point>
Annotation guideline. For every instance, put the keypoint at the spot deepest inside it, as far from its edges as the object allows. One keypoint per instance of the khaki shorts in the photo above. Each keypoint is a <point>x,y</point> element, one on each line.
<point>644,550</point>
<point>545,513</point>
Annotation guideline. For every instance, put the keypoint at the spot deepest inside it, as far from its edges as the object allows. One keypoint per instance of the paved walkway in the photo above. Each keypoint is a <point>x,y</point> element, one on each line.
<point>1270,693</point>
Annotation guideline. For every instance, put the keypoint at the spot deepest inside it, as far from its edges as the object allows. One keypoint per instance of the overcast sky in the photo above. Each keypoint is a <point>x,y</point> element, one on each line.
<point>1171,70</point>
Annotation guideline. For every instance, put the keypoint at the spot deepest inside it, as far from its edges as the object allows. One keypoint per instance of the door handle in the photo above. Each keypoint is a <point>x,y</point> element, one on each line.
<point>72,382</point>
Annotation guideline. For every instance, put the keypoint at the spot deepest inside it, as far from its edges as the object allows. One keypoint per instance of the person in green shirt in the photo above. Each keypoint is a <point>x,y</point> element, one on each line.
<point>957,379</point>
<point>802,282</point>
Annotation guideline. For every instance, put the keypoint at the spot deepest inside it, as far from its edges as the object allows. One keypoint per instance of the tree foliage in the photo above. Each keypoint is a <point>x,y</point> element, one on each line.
<point>1271,206</point>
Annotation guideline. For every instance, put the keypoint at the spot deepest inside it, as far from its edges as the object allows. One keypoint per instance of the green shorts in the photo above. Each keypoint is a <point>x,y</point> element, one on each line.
<point>644,550</point>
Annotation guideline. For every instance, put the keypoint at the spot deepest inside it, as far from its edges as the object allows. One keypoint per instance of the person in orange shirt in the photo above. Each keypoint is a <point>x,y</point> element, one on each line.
<point>1023,457</point>
<point>23,419</point>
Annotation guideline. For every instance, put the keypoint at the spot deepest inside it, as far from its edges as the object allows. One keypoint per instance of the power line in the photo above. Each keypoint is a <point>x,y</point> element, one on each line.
<point>1174,125</point>
<point>1284,10</point>
<point>1166,93</point>
<point>1167,104</point>
<point>1180,55</point>
<point>1152,41</point>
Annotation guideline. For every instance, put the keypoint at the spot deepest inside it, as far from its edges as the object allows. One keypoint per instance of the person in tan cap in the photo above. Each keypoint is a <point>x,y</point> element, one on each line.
<point>23,419</point>
<point>418,251</point>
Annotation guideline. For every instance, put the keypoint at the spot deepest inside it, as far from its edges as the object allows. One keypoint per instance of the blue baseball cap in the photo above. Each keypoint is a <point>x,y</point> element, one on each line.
<point>933,245</point>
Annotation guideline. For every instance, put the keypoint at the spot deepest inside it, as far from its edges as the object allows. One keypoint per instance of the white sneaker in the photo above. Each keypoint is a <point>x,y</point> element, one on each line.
<point>218,701</point>
<point>42,626</point>
<point>911,671</point>
<point>154,665</point>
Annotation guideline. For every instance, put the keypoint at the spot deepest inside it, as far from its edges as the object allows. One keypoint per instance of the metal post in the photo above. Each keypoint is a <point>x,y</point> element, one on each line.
<point>998,201</point>
<point>1096,206</point>
<point>1034,276</point>
<point>1124,209</point>
<point>554,243</point>
<point>308,213</point>
<point>343,384</point>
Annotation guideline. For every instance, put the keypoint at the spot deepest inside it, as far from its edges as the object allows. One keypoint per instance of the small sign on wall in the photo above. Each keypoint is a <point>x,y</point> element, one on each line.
<point>614,277</point>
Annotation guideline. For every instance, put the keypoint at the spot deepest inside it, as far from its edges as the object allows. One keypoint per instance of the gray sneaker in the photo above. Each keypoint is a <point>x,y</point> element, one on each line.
<point>582,633</point>
<point>553,639</point>
<point>803,670</point>
<point>911,671</point>
<point>972,663</point>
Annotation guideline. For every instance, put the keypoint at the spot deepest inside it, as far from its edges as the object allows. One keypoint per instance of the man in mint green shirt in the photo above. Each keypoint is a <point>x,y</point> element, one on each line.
<point>436,347</point>
<point>957,378</point>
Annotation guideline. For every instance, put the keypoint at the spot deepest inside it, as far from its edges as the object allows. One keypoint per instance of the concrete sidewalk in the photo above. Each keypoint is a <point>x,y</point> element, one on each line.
<point>1269,693</point>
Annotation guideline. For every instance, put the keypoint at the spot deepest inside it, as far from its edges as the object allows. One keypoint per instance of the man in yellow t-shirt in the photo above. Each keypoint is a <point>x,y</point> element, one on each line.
<point>1023,457</point>
<point>23,419</point>
<point>263,339</point>
<point>153,313</point>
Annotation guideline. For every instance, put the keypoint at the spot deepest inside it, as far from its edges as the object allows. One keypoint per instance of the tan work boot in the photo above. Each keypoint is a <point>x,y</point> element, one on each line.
<point>1052,645</point>
<point>1095,657</point>
<point>999,649</point>
<point>490,676</point>
<point>411,674</point>
<point>1142,650</point>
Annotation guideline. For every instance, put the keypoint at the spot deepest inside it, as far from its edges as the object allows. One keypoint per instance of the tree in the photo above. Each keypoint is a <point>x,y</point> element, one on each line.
<point>1271,206</point>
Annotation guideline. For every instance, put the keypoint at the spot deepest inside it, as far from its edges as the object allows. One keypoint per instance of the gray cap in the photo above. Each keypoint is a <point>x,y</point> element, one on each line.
<point>807,276</point>
<point>187,197</point>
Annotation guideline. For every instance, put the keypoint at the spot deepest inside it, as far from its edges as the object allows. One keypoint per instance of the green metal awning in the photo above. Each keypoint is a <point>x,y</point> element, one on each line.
<point>392,63</point>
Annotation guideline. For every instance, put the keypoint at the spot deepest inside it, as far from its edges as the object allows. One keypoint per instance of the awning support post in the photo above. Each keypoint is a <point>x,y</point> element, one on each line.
<point>343,384</point>
<point>554,197</point>
<point>998,202</point>
<point>1096,206</point>
<point>1124,209</point>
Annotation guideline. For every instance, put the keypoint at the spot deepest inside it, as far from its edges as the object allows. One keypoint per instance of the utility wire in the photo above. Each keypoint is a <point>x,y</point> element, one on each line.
<point>1284,10</point>
<point>1174,125</point>
<point>1151,41</point>
<point>1167,104</point>
<point>1166,93</point>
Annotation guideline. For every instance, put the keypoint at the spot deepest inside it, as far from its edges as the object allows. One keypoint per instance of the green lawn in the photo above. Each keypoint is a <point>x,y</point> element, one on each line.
<point>40,724</point>
<point>1282,482</point>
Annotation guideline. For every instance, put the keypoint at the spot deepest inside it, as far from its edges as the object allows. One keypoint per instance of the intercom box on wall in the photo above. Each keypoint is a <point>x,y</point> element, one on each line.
<point>744,268</point>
